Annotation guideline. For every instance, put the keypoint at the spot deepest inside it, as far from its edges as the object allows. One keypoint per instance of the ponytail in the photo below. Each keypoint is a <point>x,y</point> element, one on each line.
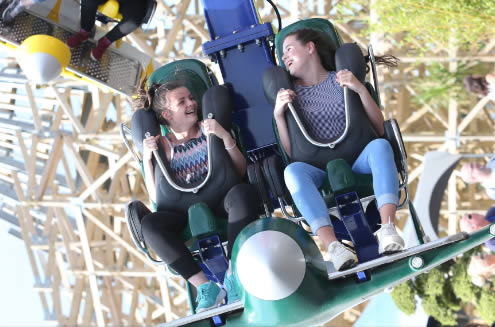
<point>143,99</point>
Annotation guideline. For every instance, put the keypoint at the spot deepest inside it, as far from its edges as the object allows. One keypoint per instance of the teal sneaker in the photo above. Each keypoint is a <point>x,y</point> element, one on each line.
<point>209,296</point>
<point>229,284</point>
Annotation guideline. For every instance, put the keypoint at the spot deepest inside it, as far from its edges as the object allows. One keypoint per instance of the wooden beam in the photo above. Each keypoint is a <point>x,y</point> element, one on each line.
<point>66,107</point>
<point>93,283</point>
<point>100,180</point>
<point>50,167</point>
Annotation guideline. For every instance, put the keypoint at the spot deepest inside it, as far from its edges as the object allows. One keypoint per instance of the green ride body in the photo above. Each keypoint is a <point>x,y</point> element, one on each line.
<point>317,299</point>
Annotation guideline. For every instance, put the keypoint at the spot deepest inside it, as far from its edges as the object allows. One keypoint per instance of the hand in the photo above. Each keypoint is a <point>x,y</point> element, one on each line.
<point>211,126</point>
<point>347,78</point>
<point>284,97</point>
<point>149,145</point>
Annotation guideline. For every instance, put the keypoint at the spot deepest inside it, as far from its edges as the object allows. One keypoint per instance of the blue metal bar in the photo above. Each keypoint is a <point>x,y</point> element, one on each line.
<point>352,213</point>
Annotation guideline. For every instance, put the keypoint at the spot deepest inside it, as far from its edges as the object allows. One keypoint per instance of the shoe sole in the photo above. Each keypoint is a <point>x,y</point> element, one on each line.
<point>351,263</point>
<point>218,301</point>
<point>392,248</point>
<point>93,58</point>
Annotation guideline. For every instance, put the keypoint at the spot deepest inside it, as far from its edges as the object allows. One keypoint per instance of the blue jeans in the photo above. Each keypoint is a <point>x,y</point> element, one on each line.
<point>303,181</point>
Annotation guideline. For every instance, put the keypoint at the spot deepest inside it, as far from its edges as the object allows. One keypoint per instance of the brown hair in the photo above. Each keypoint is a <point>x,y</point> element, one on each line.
<point>155,97</point>
<point>476,84</point>
<point>326,51</point>
<point>324,48</point>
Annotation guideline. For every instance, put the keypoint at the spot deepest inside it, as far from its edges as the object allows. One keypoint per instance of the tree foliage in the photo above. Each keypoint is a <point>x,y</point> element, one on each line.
<point>443,290</point>
<point>486,306</point>
<point>439,85</point>
<point>428,24</point>
<point>403,296</point>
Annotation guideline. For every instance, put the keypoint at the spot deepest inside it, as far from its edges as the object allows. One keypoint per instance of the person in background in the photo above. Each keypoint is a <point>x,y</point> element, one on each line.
<point>476,172</point>
<point>133,12</point>
<point>15,8</point>
<point>482,266</point>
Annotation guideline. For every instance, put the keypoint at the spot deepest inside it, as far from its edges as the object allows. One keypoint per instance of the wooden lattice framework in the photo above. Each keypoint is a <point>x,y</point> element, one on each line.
<point>66,175</point>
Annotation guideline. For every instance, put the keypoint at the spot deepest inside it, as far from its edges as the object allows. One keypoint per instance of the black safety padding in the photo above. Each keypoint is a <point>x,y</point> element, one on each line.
<point>143,121</point>
<point>217,101</point>
<point>350,57</point>
<point>135,212</point>
<point>394,142</point>
<point>273,168</point>
<point>255,176</point>
<point>150,10</point>
<point>275,78</point>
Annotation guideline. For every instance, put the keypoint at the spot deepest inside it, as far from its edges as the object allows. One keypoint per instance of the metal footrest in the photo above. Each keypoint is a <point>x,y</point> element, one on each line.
<point>113,71</point>
<point>397,256</point>
<point>229,308</point>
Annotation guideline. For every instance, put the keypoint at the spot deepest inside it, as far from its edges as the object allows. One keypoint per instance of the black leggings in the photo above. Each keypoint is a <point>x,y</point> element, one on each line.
<point>133,12</point>
<point>162,229</point>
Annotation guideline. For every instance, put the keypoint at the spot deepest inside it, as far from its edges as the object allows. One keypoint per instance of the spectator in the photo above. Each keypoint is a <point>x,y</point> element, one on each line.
<point>133,12</point>
<point>482,266</point>
<point>475,172</point>
<point>15,8</point>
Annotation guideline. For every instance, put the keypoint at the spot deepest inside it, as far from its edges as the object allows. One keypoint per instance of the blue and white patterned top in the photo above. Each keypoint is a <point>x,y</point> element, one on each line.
<point>189,161</point>
<point>322,107</point>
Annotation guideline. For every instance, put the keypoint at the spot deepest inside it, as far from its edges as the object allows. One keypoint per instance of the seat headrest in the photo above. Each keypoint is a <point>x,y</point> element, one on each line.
<point>350,57</point>
<point>275,78</point>
<point>318,24</point>
<point>143,121</point>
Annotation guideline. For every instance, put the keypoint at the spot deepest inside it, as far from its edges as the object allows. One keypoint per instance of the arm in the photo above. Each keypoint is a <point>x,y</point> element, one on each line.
<point>346,78</point>
<point>490,78</point>
<point>149,145</point>
<point>211,126</point>
<point>281,105</point>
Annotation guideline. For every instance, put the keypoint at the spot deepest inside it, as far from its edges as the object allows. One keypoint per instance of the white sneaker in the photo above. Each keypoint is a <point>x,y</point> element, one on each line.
<point>341,257</point>
<point>389,240</point>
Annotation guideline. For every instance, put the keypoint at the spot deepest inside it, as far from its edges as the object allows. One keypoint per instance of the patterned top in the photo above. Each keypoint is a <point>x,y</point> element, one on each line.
<point>322,107</point>
<point>189,161</point>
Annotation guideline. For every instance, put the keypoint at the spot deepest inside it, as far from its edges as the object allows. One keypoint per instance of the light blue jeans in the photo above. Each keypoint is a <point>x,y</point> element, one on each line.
<point>303,181</point>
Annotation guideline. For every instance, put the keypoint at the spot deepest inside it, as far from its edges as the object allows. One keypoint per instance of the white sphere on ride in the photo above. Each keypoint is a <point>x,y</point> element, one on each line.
<point>270,265</point>
<point>43,57</point>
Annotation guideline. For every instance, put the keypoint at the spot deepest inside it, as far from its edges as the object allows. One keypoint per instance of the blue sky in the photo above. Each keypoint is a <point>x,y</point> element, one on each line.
<point>20,304</point>
<point>373,315</point>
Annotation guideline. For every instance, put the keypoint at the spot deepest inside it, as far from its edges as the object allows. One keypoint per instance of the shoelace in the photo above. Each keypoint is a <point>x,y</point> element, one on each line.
<point>389,222</point>
<point>202,294</point>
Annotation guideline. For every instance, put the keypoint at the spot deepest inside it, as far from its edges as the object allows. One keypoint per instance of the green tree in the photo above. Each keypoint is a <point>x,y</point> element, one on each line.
<point>403,296</point>
<point>439,85</point>
<point>427,24</point>
<point>486,306</point>
<point>443,291</point>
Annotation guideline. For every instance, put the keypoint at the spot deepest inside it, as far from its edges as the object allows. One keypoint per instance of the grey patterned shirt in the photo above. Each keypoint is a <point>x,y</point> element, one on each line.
<point>322,107</point>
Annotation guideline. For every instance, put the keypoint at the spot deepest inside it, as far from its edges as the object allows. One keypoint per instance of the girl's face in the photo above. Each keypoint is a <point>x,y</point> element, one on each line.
<point>182,109</point>
<point>296,55</point>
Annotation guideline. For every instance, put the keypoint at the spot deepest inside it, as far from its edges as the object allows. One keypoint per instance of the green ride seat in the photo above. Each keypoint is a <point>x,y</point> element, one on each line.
<point>202,223</point>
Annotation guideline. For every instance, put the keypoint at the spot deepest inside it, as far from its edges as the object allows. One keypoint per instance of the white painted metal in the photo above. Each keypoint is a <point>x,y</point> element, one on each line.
<point>270,265</point>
